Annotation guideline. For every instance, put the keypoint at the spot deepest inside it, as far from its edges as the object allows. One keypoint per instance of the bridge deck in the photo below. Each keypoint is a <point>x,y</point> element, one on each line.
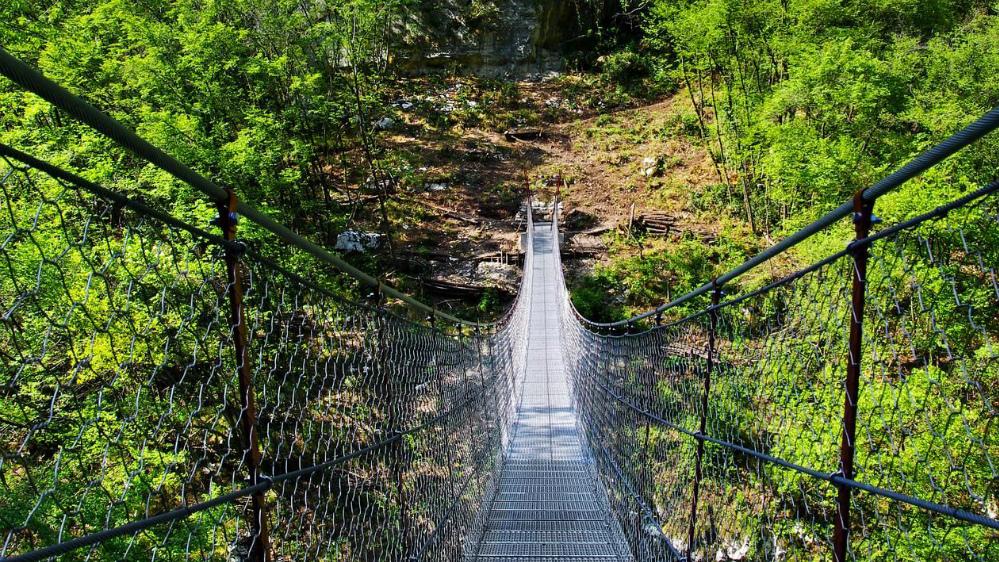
<point>550,505</point>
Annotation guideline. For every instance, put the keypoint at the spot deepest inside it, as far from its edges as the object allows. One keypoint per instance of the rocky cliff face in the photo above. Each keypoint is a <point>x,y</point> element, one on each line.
<point>499,38</point>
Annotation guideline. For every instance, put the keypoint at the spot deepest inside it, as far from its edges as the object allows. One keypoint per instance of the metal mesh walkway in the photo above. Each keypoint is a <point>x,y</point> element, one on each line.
<point>550,504</point>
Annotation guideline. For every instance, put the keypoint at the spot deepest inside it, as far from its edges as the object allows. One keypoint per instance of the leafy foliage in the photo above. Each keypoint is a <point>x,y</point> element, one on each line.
<point>801,104</point>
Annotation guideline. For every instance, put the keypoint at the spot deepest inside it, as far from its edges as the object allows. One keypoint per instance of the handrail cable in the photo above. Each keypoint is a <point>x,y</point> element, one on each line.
<point>33,80</point>
<point>835,477</point>
<point>267,483</point>
<point>924,161</point>
<point>739,389</point>
<point>7,151</point>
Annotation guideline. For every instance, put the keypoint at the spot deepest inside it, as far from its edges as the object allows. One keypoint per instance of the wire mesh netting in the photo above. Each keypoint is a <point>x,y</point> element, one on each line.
<point>116,381</point>
<point>765,372</point>
<point>930,381</point>
<point>169,394</point>
<point>123,430</point>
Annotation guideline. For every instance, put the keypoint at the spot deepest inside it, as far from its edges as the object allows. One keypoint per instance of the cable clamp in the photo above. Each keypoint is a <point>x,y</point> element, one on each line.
<point>859,215</point>
<point>238,247</point>
<point>838,474</point>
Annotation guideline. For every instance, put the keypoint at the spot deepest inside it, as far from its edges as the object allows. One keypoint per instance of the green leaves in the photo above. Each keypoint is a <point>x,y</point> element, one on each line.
<point>804,102</point>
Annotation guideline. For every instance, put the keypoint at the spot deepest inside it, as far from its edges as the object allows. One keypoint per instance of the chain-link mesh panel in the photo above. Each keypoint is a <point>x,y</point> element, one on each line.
<point>123,425</point>
<point>124,430</point>
<point>929,398</point>
<point>767,372</point>
<point>427,410</point>
<point>116,377</point>
<point>777,390</point>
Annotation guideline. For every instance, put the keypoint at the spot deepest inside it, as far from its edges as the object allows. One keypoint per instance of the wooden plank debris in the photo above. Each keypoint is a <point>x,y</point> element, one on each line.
<point>656,224</point>
<point>525,134</point>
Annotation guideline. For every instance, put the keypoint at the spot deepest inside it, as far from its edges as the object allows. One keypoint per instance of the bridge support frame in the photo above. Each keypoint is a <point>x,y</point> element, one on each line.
<point>259,550</point>
<point>716,294</point>
<point>863,215</point>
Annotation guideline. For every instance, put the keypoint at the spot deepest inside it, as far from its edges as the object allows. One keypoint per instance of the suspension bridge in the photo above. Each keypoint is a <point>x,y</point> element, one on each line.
<point>174,388</point>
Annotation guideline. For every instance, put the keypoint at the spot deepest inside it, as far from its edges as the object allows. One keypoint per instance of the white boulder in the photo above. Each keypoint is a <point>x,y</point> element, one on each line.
<point>355,241</point>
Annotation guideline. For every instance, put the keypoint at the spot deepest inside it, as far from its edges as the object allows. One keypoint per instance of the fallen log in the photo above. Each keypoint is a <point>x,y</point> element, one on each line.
<point>595,231</point>
<point>581,252</point>
<point>524,134</point>
<point>459,290</point>
<point>453,214</point>
<point>656,224</point>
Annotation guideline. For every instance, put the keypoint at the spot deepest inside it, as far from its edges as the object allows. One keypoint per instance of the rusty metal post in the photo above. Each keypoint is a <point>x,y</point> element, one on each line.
<point>716,294</point>
<point>260,546</point>
<point>863,215</point>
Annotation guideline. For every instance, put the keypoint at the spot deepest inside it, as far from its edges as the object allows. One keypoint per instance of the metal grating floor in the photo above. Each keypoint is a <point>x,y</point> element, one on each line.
<point>550,505</point>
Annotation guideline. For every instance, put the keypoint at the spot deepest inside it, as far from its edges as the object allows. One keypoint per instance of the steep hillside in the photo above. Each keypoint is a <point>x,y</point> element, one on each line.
<point>462,178</point>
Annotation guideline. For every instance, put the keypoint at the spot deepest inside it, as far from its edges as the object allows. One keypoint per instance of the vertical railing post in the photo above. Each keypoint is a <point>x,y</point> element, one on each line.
<point>863,215</point>
<point>554,217</point>
<point>607,405</point>
<point>468,399</point>
<point>650,386</point>
<point>643,477</point>
<point>699,456</point>
<point>260,546</point>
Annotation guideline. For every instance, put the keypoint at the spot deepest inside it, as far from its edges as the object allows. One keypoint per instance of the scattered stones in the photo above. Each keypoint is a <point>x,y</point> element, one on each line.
<point>505,277</point>
<point>651,166</point>
<point>437,187</point>
<point>733,551</point>
<point>373,184</point>
<point>583,245</point>
<point>356,241</point>
<point>384,124</point>
<point>484,154</point>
